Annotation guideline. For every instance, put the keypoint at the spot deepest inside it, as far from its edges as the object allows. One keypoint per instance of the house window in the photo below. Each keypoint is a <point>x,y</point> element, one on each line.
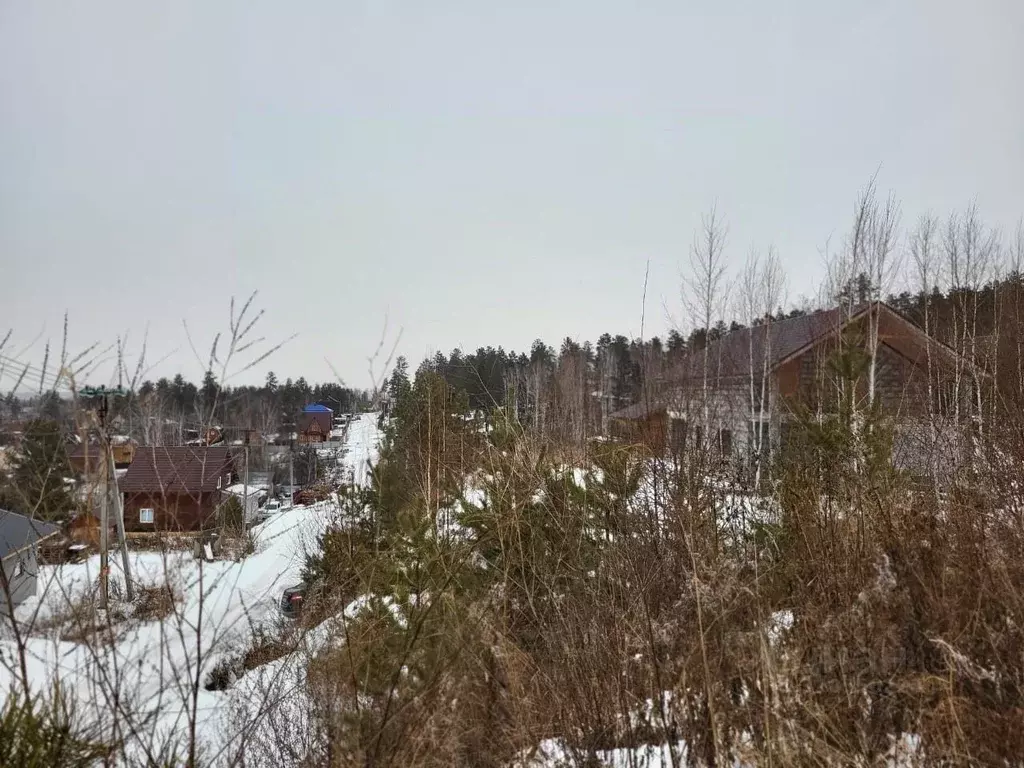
<point>146,515</point>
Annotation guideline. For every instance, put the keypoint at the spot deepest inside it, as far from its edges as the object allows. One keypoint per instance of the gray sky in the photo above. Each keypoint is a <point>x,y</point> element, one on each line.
<point>480,172</point>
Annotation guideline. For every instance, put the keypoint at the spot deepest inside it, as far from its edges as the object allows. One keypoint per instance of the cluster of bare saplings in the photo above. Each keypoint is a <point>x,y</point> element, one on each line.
<point>498,596</point>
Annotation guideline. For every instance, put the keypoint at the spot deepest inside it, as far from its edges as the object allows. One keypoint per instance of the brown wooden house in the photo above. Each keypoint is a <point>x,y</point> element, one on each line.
<point>763,380</point>
<point>84,458</point>
<point>176,489</point>
<point>315,424</point>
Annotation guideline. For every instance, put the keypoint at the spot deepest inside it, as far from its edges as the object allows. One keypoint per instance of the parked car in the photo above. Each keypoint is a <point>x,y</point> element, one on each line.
<point>274,505</point>
<point>292,600</point>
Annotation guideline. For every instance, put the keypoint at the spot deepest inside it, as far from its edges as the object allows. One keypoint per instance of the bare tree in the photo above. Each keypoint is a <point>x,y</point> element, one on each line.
<point>704,290</point>
<point>762,284</point>
<point>923,248</point>
<point>971,250</point>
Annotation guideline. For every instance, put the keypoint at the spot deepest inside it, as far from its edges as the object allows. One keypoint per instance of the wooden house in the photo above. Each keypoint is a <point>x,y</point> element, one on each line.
<point>176,489</point>
<point>315,424</point>
<point>762,380</point>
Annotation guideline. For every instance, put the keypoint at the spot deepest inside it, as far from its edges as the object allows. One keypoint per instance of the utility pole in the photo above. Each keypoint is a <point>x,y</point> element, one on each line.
<point>104,526</point>
<point>291,471</point>
<point>129,590</point>
<point>245,487</point>
<point>100,396</point>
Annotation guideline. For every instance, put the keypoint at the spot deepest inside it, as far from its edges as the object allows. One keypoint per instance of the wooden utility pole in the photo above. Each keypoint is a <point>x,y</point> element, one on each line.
<point>129,590</point>
<point>245,486</point>
<point>291,471</point>
<point>104,525</point>
<point>101,398</point>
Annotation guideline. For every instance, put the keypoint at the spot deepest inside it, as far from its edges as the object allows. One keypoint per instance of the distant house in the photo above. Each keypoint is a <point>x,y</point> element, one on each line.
<point>20,538</point>
<point>315,424</point>
<point>176,489</point>
<point>208,436</point>
<point>761,379</point>
<point>85,457</point>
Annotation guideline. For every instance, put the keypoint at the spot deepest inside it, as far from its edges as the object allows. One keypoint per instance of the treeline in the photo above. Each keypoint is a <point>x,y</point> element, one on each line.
<point>169,410</point>
<point>171,403</point>
<point>569,392</point>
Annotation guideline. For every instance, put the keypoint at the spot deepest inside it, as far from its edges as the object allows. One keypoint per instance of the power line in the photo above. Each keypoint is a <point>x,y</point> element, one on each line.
<point>28,372</point>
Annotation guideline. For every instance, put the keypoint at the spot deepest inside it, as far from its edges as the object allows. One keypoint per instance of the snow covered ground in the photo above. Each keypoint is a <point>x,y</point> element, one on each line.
<point>362,447</point>
<point>153,665</point>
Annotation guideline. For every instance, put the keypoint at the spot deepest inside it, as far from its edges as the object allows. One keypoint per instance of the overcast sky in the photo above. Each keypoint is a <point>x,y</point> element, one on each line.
<point>478,172</point>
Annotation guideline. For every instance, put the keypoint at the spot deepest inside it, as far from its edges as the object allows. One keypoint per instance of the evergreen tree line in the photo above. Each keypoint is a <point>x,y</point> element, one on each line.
<point>166,411</point>
<point>570,392</point>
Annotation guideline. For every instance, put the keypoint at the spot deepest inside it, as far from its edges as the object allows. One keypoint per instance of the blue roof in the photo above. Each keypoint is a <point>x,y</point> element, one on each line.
<point>317,408</point>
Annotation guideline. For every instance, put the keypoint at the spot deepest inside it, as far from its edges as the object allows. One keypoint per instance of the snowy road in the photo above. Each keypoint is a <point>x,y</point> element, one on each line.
<point>156,662</point>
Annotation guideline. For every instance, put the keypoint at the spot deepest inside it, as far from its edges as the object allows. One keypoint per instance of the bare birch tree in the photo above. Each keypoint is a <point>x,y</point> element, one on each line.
<point>970,250</point>
<point>865,269</point>
<point>762,284</point>
<point>704,290</point>
<point>923,247</point>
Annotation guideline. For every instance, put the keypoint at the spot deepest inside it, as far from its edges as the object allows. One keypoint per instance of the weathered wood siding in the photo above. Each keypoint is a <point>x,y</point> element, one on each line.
<point>172,512</point>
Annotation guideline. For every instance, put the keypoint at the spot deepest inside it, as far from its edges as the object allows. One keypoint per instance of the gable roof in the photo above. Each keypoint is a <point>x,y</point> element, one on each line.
<point>782,340</point>
<point>322,419</point>
<point>188,469</point>
<point>18,532</point>
<point>731,354</point>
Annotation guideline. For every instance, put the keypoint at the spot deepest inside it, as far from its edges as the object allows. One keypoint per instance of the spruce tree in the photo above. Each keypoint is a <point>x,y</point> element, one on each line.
<point>37,486</point>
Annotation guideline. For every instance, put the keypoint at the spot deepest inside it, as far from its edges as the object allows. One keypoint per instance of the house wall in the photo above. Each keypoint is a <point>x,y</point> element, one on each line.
<point>650,431</point>
<point>810,383</point>
<point>172,512</point>
<point>731,413</point>
<point>728,411</point>
<point>23,586</point>
<point>803,384</point>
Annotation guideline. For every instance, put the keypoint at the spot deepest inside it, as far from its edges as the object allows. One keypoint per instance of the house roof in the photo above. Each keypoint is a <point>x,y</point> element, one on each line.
<point>18,532</point>
<point>320,418</point>
<point>316,408</point>
<point>780,341</point>
<point>731,354</point>
<point>188,469</point>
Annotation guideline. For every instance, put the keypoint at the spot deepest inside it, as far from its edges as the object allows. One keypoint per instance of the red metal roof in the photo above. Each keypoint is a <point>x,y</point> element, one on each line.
<point>188,469</point>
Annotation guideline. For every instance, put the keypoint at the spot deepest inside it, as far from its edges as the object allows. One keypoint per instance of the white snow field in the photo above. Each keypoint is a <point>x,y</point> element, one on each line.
<point>152,666</point>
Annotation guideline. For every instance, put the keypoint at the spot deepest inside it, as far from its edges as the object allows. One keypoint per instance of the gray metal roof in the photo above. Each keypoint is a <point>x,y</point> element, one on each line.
<point>731,355</point>
<point>18,532</point>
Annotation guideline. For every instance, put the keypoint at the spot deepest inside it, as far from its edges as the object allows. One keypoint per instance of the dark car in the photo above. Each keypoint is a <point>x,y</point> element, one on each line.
<point>292,600</point>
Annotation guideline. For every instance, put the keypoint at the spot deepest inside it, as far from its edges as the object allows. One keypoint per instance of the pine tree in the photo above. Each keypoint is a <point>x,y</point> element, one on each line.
<point>37,485</point>
<point>398,385</point>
